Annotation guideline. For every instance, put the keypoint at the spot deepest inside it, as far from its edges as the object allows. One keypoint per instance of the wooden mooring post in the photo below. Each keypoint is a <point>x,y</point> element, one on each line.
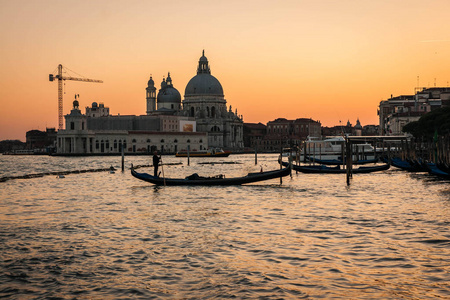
<point>188,148</point>
<point>304,152</point>
<point>348,159</point>
<point>281,165</point>
<point>123,160</point>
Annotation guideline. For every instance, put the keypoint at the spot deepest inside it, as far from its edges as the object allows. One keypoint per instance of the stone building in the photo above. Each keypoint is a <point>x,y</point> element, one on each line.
<point>41,141</point>
<point>108,134</point>
<point>198,122</point>
<point>253,135</point>
<point>204,101</point>
<point>395,112</point>
<point>283,133</point>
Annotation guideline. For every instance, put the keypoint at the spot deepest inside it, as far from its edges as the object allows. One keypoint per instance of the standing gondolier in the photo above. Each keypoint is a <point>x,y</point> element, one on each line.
<point>156,159</point>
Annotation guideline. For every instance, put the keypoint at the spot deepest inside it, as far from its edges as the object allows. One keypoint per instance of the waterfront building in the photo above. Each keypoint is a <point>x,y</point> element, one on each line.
<point>108,134</point>
<point>198,122</point>
<point>254,135</point>
<point>283,133</point>
<point>395,112</point>
<point>41,141</point>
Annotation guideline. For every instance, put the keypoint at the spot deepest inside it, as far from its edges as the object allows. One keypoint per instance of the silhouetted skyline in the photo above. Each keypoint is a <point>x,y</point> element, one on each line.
<point>324,60</point>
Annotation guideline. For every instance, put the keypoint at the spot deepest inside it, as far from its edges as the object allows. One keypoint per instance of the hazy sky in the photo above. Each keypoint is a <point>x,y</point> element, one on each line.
<point>327,60</point>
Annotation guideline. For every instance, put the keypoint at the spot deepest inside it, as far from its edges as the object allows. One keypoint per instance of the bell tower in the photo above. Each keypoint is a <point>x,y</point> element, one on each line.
<point>151,96</point>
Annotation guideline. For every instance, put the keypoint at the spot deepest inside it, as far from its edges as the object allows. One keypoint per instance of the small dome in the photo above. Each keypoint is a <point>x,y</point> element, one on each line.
<point>169,94</point>
<point>94,104</point>
<point>151,82</point>
<point>163,84</point>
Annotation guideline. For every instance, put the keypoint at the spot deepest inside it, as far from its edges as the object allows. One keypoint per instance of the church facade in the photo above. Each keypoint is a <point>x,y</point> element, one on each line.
<point>198,122</point>
<point>205,102</point>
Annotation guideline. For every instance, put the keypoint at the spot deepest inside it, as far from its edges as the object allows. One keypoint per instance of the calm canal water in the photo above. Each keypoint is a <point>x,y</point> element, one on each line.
<point>107,236</point>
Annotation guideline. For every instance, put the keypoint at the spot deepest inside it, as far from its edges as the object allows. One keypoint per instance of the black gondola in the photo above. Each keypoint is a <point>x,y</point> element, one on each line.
<point>337,169</point>
<point>408,165</point>
<point>434,169</point>
<point>340,162</point>
<point>215,180</point>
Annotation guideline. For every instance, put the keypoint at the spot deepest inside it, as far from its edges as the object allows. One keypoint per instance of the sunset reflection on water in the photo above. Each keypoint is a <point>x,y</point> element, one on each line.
<point>101,235</point>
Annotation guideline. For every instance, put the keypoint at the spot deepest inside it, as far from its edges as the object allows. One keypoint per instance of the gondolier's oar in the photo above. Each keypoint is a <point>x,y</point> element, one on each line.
<point>162,169</point>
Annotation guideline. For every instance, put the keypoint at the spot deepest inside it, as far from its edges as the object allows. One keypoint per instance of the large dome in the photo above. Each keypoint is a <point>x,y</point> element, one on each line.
<point>203,83</point>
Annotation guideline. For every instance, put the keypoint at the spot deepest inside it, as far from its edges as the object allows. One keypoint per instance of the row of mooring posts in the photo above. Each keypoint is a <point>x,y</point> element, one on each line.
<point>384,146</point>
<point>436,150</point>
<point>352,148</point>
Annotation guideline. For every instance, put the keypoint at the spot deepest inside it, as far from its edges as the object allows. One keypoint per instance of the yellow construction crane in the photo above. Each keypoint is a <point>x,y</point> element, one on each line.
<point>60,78</point>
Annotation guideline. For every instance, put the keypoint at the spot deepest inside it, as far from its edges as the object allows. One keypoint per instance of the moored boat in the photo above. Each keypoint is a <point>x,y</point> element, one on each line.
<point>322,169</point>
<point>332,148</point>
<point>340,162</point>
<point>407,165</point>
<point>208,153</point>
<point>195,179</point>
<point>434,169</point>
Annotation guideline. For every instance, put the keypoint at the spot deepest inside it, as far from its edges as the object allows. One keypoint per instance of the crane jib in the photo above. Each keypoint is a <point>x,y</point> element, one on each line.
<point>59,76</point>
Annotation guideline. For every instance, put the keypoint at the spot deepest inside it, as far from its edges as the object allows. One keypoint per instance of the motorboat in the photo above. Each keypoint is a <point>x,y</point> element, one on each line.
<point>322,169</point>
<point>332,148</point>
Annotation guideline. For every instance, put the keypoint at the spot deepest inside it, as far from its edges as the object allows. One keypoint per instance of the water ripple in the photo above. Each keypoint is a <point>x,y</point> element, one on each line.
<point>108,236</point>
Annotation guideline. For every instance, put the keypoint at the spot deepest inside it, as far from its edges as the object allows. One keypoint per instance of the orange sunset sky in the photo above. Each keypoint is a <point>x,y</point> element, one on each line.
<point>326,60</point>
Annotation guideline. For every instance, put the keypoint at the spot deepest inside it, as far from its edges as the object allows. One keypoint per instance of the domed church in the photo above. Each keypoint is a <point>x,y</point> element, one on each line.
<point>204,100</point>
<point>171,124</point>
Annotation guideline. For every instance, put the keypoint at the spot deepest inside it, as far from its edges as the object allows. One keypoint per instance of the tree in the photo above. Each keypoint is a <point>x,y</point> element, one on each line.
<point>436,120</point>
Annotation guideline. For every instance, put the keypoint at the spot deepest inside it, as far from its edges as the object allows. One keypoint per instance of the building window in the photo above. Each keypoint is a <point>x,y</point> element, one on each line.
<point>72,125</point>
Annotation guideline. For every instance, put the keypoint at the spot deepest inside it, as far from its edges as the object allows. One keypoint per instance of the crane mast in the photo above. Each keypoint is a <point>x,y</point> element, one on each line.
<point>60,78</point>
